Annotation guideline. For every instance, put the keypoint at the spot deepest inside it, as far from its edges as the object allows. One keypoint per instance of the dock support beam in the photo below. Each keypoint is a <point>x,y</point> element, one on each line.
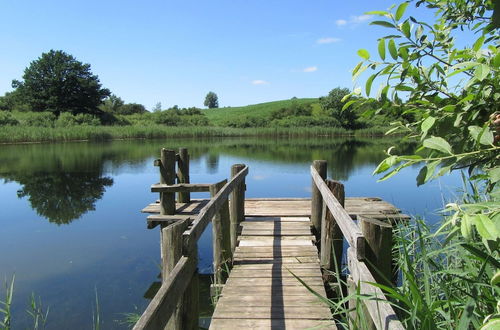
<point>237,210</point>
<point>317,200</point>
<point>183,174</point>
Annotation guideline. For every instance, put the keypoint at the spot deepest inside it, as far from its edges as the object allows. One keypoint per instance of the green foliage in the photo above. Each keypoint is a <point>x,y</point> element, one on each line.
<point>37,119</point>
<point>245,122</point>
<point>452,94</point>
<point>334,103</point>
<point>57,82</point>
<point>211,100</point>
<point>67,120</point>
<point>112,104</point>
<point>131,108</point>
<point>5,306</point>
<point>306,121</point>
<point>294,110</point>
<point>6,118</point>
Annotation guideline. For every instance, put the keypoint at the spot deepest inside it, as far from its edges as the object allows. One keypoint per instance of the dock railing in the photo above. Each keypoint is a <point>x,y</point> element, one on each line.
<point>369,253</point>
<point>176,304</point>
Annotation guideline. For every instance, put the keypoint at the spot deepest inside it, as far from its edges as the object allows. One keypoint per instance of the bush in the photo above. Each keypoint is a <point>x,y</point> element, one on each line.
<point>39,119</point>
<point>194,120</point>
<point>66,119</point>
<point>306,121</point>
<point>245,121</point>
<point>6,119</point>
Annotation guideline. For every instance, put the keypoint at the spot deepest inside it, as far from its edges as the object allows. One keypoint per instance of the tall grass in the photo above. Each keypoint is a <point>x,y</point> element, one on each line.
<point>23,134</point>
<point>5,321</point>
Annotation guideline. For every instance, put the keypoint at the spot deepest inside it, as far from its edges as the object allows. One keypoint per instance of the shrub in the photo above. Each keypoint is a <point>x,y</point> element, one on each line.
<point>245,121</point>
<point>39,119</point>
<point>6,119</point>
<point>66,119</point>
<point>306,121</point>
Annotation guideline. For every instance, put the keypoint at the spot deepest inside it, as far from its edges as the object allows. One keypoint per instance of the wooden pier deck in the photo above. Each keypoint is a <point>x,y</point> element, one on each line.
<point>269,253</point>
<point>275,243</point>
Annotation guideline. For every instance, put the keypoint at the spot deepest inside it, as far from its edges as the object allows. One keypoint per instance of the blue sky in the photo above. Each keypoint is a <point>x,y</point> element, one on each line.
<point>174,52</point>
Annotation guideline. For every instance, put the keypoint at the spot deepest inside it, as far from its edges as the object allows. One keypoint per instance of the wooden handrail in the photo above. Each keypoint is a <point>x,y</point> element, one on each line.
<point>351,231</point>
<point>191,236</point>
<point>165,301</point>
<point>380,310</point>
<point>180,187</point>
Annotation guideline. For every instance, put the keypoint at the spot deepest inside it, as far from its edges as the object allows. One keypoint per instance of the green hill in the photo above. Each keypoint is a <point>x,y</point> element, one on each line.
<point>262,110</point>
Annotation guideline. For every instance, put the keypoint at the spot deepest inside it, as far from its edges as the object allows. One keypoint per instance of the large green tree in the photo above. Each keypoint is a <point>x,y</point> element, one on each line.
<point>211,100</point>
<point>57,82</point>
<point>333,104</point>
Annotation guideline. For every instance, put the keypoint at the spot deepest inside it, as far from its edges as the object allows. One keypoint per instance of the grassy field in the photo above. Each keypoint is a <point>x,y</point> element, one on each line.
<point>263,110</point>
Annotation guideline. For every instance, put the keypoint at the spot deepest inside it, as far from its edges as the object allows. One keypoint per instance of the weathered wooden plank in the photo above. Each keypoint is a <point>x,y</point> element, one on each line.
<point>167,176</point>
<point>281,219</point>
<point>285,260</point>
<point>280,238</point>
<point>237,205</point>
<point>165,301</point>
<point>276,272</point>
<point>275,233</point>
<point>244,249</point>
<point>221,238</point>
<point>272,282</point>
<point>351,232</point>
<point>274,324</point>
<point>277,265</point>
<point>261,242</point>
<point>277,254</point>
<point>271,300</point>
<point>227,311</point>
<point>180,187</point>
<point>290,290</point>
<point>380,309</point>
<point>183,174</point>
<point>332,238</point>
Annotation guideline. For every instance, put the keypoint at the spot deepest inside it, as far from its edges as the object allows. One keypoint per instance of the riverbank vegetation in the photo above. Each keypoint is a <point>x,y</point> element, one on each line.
<point>450,276</point>
<point>72,105</point>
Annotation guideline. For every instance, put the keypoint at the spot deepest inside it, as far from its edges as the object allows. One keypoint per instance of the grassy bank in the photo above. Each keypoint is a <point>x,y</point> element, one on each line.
<point>28,134</point>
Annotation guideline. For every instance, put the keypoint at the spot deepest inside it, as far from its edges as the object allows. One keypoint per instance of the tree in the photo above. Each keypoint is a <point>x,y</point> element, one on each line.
<point>211,100</point>
<point>333,105</point>
<point>157,107</point>
<point>112,104</point>
<point>452,92</point>
<point>57,82</point>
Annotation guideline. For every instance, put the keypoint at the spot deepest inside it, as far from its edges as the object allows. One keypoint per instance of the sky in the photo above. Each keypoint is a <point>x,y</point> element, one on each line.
<point>175,52</point>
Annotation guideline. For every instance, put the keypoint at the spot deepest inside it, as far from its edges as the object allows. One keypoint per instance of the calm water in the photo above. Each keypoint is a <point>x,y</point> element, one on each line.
<point>70,225</point>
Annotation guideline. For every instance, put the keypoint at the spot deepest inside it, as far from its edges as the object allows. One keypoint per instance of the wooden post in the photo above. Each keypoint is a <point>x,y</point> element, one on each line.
<point>167,176</point>
<point>183,174</point>
<point>317,200</point>
<point>378,235</point>
<point>191,298</point>
<point>171,247</point>
<point>221,234</point>
<point>332,239</point>
<point>237,211</point>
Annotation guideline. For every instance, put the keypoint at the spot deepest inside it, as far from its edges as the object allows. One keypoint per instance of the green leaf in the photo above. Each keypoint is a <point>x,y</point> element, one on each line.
<point>494,174</point>
<point>406,28</point>
<point>369,82</point>
<point>392,49</point>
<point>381,48</point>
<point>478,44</point>
<point>495,280</point>
<point>384,24</point>
<point>493,324</point>
<point>466,227</point>
<point>481,134</point>
<point>427,124</point>
<point>485,227</point>
<point>419,31</point>
<point>496,61</point>
<point>437,143</point>
<point>348,104</point>
<point>386,164</point>
<point>363,53</point>
<point>401,10</point>
<point>377,12</point>
<point>481,72</point>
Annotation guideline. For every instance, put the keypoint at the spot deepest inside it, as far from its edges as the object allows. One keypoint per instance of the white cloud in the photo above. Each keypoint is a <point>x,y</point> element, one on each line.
<point>360,19</point>
<point>310,69</point>
<point>341,22</point>
<point>353,20</point>
<point>260,82</point>
<point>328,40</point>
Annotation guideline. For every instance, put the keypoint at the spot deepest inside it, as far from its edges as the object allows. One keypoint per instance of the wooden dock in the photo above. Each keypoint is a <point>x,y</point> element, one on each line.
<point>266,259</point>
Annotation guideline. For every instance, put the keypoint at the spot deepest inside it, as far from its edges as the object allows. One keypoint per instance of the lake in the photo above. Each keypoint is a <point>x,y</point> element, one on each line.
<point>71,227</point>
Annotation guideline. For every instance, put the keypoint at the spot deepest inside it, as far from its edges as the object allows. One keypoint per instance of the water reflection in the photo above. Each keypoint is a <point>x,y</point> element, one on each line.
<point>62,197</point>
<point>64,181</point>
